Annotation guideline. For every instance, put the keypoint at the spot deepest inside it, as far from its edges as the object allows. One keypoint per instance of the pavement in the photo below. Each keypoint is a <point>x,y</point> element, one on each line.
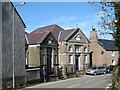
<point>85,81</point>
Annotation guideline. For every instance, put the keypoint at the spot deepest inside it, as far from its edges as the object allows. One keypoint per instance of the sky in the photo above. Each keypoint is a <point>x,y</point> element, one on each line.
<point>65,14</point>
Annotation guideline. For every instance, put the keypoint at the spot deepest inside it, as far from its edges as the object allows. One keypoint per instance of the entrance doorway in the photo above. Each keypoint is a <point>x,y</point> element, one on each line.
<point>77,62</point>
<point>91,59</point>
<point>49,62</point>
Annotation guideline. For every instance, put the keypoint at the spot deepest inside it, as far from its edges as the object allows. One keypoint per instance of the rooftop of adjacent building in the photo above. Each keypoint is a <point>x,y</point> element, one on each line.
<point>108,45</point>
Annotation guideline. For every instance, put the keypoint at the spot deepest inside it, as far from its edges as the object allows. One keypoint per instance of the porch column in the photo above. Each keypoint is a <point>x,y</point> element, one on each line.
<point>57,57</point>
<point>45,58</point>
<point>56,62</point>
<point>88,60</point>
<point>82,62</point>
<point>52,61</point>
<point>74,62</point>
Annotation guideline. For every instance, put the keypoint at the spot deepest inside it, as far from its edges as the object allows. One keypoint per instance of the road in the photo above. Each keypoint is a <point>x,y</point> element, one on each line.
<point>86,81</point>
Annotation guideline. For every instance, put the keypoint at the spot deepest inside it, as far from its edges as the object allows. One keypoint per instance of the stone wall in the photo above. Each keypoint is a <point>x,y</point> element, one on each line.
<point>6,45</point>
<point>0,45</point>
<point>32,75</point>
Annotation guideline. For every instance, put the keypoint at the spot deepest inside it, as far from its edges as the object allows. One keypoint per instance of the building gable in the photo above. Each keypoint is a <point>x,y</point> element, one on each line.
<point>49,40</point>
<point>78,36</point>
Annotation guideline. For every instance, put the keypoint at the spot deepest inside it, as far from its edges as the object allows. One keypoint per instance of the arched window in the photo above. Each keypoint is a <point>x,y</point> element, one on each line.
<point>78,37</point>
<point>85,58</point>
<point>113,53</point>
<point>85,49</point>
<point>77,48</point>
<point>70,49</point>
<point>70,59</point>
<point>113,62</point>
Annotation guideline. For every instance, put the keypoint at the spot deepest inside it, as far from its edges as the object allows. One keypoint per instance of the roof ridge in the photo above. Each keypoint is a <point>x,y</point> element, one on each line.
<point>71,29</point>
<point>37,32</point>
<point>46,26</point>
<point>53,27</point>
<point>42,27</point>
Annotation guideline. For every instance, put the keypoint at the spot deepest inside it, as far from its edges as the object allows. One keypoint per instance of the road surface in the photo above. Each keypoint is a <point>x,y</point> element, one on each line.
<point>86,81</point>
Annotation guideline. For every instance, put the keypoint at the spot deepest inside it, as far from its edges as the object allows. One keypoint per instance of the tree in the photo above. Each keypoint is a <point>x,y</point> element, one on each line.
<point>114,24</point>
<point>117,25</point>
<point>110,21</point>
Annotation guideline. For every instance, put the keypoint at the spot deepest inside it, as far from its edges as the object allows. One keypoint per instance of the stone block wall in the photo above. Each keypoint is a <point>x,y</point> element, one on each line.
<point>6,45</point>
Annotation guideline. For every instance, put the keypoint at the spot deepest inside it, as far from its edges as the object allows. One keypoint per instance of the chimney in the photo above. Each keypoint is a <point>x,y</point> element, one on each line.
<point>93,35</point>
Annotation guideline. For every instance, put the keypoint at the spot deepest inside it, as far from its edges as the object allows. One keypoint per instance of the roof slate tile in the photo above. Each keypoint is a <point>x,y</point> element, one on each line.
<point>109,45</point>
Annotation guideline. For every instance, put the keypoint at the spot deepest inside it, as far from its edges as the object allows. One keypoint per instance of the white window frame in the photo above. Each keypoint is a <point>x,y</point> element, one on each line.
<point>85,49</point>
<point>113,62</point>
<point>77,48</point>
<point>85,59</point>
<point>78,37</point>
<point>70,59</point>
<point>113,53</point>
<point>70,49</point>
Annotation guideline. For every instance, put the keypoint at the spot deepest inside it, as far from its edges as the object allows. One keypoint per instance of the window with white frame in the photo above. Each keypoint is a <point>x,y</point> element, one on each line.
<point>50,40</point>
<point>85,58</point>
<point>70,59</point>
<point>77,48</point>
<point>85,49</point>
<point>113,53</point>
<point>113,62</point>
<point>78,37</point>
<point>70,49</point>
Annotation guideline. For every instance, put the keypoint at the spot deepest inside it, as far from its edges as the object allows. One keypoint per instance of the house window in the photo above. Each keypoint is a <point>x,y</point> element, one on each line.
<point>78,37</point>
<point>85,58</point>
<point>113,53</point>
<point>85,49</point>
<point>50,40</point>
<point>77,49</point>
<point>70,49</point>
<point>70,59</point>
<point>113,62</point>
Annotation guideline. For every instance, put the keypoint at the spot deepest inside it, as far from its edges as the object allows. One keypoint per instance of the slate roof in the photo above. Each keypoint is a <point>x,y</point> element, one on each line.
<point>59,33</point>
<point>36,38</point>
<point>55,29</point>
<point>64,34</point>
<point>45,29</point>
<point>109,45</point>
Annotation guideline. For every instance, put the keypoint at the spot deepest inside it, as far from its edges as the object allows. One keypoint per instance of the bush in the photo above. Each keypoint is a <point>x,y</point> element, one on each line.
<point>116,77</point>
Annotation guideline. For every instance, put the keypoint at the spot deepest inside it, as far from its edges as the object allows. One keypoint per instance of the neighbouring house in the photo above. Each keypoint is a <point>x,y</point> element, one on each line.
<point>42,53</point>
<point>73,52</point>
<point>7,54</point>
<point>104,52</point>
<point>74,49</point>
